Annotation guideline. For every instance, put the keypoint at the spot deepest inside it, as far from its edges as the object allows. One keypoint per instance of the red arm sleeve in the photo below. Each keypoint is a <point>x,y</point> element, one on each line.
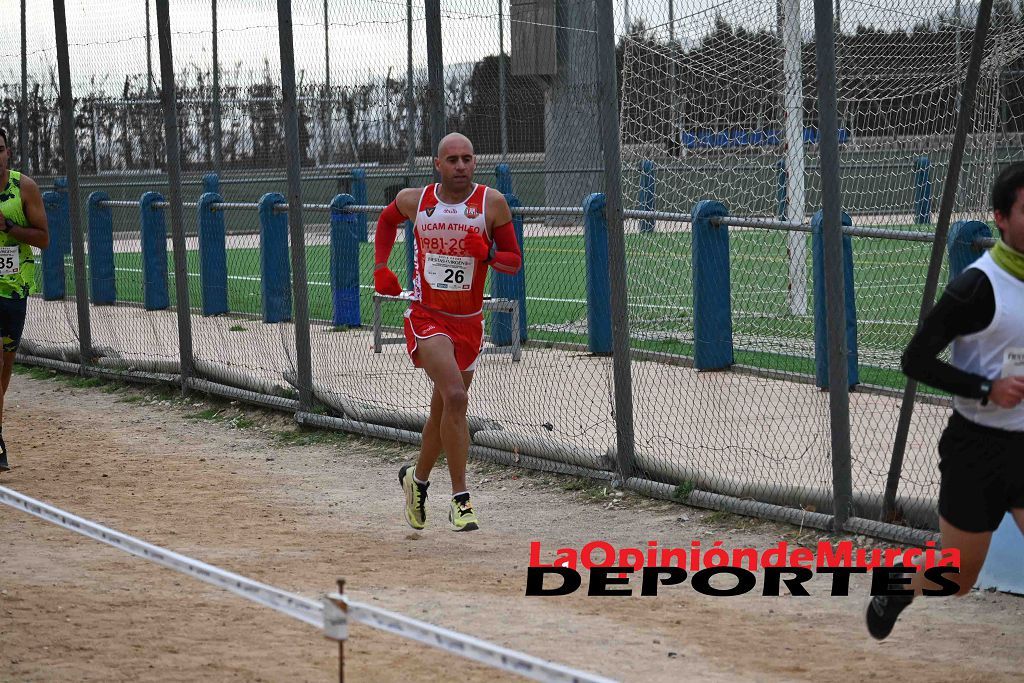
<point>507,257</point>
<point>387,231</point>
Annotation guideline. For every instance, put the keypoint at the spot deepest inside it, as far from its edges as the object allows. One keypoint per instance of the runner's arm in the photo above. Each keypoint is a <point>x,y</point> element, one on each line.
<point>507,257</point>
<point>37,232</point>
<point>393,215</point>
<point>967,306</point>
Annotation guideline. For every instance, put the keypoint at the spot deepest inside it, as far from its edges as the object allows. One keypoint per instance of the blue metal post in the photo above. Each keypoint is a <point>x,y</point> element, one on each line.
<point>359,195</point>
<point>275,269</point>
<point>960,245</point>
<point>712,288</point>
<point>102,279</point>
<point>60,185</point>
<point>645,199</point>
<point>510,287</point>
<point>503,179</point>
<point>213,256</point>
<point>820,329</point>
<point>154,253</point>
<point>599,312</point>
<point>211,183</point>
<point>58,218</point>
<point>345,235</point>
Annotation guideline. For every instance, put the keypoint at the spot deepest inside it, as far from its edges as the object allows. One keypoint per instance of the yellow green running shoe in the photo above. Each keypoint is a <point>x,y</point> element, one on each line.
<point>415,497</point>
<point>461,514</point>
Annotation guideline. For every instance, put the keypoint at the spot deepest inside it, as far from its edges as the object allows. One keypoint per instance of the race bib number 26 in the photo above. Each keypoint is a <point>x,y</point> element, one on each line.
<point>9,262</point>
<point>449,273</point>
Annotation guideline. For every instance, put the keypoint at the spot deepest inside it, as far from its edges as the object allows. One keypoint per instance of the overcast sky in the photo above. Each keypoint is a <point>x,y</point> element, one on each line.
<point>366,36</point>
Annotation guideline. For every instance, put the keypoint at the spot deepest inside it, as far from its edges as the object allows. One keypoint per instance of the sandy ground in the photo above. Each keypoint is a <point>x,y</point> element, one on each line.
<point>729,432</point>
<point>248,493</point>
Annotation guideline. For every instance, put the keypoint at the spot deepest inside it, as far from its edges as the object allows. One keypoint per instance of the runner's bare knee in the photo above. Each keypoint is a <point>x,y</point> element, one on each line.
<point>456,399</point>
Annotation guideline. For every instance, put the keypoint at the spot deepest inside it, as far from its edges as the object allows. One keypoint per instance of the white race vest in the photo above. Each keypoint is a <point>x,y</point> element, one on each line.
<point>995,352</point>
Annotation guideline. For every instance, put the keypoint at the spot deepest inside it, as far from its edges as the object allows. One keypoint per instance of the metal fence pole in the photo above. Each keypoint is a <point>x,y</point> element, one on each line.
<point>607,95</point>
<point>153,142</point>
<point>218,158</point>
<point>149,56</point>
<point>949,192</point>
<point>95,138</point>
<point>300,287</point>
<point>435,74</point>
<point>410,95</point>
<point>23,116</point>
<point>169,103</point>
<point>832,236</point>
<point>502,94</point>
<point>327,87</point>
<point>67,126</point>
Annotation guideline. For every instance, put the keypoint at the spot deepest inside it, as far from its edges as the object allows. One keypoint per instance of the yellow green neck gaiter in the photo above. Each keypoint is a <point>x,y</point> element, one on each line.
<point>1009,259</point>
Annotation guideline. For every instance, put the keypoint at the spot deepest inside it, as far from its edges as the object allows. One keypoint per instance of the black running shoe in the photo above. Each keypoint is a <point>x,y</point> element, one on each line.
<point>4,466</point>
<point>883,612</point>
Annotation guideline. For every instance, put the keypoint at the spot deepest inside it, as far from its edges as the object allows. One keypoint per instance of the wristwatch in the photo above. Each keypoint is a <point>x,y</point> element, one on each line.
<point>9,225</point>
<point>986,389</point>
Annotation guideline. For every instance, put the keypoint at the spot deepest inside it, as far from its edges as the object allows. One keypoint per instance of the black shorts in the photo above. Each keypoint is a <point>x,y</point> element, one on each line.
<point>982,474</point>
<point>12,322</point>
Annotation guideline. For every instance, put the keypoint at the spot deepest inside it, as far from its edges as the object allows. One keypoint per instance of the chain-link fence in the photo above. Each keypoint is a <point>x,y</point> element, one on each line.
<point>725,298</point>
<point>720,102</point>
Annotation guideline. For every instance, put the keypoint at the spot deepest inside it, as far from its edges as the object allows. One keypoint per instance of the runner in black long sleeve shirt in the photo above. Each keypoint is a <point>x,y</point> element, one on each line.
<point>981,451</point>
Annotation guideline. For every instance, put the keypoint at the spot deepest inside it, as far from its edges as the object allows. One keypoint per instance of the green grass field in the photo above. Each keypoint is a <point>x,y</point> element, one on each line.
<point>889,279</point>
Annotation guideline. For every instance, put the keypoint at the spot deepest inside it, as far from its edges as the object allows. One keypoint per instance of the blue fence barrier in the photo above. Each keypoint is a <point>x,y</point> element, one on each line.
<point>102,279</point>
<point>820,307</point>
<point>505,286</point>
<point>712,289</point>
<point>58,218</point>
<point>154,253</point>
<point>213,261</point>
<point>599,313</point>
<point>346,233</point>
<point>275,269</point>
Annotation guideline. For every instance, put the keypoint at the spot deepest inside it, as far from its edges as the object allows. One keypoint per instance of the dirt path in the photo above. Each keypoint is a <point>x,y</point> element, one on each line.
<point>244,491</point>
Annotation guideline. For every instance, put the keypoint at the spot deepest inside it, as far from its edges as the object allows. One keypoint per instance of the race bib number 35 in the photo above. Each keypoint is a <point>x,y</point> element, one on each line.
<point>9,262</point>
<point>449,273</point>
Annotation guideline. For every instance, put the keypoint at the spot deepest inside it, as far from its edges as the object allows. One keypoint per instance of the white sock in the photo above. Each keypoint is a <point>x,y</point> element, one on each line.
<point>417,480</point>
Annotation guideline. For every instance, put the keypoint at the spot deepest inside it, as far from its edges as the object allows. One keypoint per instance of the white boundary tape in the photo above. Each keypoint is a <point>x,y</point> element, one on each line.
<point>304,609</point>
<point>296,606</point>
<point>470,647</point>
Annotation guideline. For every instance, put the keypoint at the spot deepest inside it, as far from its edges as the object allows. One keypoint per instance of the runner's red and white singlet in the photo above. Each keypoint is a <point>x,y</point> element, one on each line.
<point>446,279</point>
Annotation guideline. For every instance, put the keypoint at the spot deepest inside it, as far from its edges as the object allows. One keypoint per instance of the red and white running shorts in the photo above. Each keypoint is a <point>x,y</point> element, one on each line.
<point>466,334</point>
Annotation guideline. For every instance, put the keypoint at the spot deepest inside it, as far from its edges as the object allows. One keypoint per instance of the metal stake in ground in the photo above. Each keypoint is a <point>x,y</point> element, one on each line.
<point>341,643</point>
